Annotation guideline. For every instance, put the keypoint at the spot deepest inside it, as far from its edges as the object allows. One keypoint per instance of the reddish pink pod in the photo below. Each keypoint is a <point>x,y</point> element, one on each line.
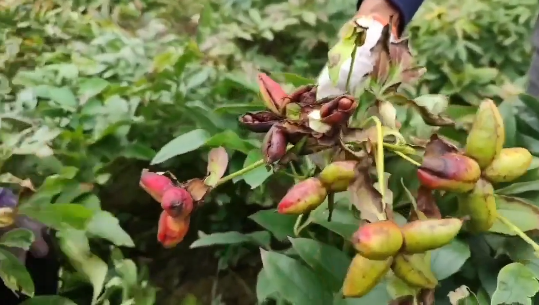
<point>155,184</point>
<point>177,202</point>
<point>171,231</point>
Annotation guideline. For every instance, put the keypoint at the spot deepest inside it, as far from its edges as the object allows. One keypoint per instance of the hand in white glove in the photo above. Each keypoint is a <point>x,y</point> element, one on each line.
<point>373,16</point>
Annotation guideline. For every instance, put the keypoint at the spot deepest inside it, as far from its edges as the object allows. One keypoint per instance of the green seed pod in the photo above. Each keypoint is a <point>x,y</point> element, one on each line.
<point>338,175</point>
<point>415,270</point>
<point>378,240</point>
<point>510,164</point>
<point>487,135</point>
<point>480,205</point>
<point>303,197</point>
<point>424,235</point>
<point>363,274</point>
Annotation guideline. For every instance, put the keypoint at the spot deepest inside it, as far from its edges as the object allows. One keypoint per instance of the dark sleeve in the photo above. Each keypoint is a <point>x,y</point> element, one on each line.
<point>407,9</point>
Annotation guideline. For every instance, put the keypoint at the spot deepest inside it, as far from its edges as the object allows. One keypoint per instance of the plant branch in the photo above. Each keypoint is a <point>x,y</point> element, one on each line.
<point>241,172</point>
<point>519,232</point>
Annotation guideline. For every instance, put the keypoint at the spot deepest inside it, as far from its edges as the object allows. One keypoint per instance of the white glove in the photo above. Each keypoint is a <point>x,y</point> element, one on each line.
<point>333,81</point>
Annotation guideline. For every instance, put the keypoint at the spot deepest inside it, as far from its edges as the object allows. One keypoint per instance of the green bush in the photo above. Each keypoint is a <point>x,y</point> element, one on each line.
<point>92,90</point>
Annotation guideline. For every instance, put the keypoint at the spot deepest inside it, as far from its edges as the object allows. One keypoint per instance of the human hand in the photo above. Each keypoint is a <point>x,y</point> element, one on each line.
<point>370,20</point>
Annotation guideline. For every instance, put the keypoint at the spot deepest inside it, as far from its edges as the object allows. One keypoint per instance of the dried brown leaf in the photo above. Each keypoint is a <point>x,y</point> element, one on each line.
<point>438,146</point>
<point>364,196</point>
<point>197,188</point>
<point>426,205</point>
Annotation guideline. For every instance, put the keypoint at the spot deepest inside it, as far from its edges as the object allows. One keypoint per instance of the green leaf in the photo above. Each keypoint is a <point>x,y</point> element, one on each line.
<point>14,274</point>
<point>521,213</point>
<point>18,237</point>
<point>257,176</point>
<point>261,238</point>
<point>58,215</point>
<point>328,262</point>
<point>295,282</point>
<point>264,287</point>
<point>531,102</point>
<point>230,140</point>
<point>507,111</point>
<point>180,145</point>
<point>448,260</point>
<point>294,79</point>
<point>378,295</point>
<point>75,246</point>
<point>105,225</point>
<point>516,285</point>
<point>91,87</point>
<point>519,188</point>
<point>280,225</point>
<point>48,300</point>
<point>64,97</point>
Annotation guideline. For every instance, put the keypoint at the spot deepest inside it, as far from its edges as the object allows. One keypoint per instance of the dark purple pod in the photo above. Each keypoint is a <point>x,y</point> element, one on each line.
<point>259,121</point>
<point>274,145</point>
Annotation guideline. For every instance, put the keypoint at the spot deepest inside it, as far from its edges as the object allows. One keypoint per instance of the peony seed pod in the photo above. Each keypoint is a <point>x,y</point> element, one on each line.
<point>480,205</point>
<point>363,274</point>
<point>378,240</point>
<point>510,164</point>
<point>274,145</point>
<point>275,98</point>
<point>177,202</point>
<point>338,175</point>
<point>155,184</point>
<point>449,172</point>
<point>171,231</point>
<point>415,270</point>
<point>260,121</point>
<point>303,197</point>
<point>424,235</point>
<point>487,135</point>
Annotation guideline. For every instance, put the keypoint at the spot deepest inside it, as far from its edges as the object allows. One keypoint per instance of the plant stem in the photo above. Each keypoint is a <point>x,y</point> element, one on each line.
<point>519,232</point>
<point>405,157</point>
<point>241,172</point>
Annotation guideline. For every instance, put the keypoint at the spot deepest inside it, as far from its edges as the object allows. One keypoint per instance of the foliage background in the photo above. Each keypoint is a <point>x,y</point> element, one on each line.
<point>91,90</point>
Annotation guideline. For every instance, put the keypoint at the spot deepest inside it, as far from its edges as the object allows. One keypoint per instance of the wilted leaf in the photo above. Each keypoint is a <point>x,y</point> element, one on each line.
<point>438,146</point>
<point>365,197</point>
<point>197,188</point>
<point>14,274</point>
<point>429,106</point>
<point>217,164</point>
<point>516,285</point>
<point>524,215</point>
<point>426,204</point>
<point>462,296</point>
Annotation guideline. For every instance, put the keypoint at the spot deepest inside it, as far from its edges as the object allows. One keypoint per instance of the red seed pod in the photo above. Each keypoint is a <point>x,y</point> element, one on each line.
<point>155,184</point>
<point>303,197</point>
<point>449,172</point>
<point>171,231</point>
<point>275,98</point>
<point>177,202</point>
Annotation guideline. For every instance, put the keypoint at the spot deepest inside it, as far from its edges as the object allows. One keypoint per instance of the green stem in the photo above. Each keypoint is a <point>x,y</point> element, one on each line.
<point>241,172</point>
<point>405,157</point>
<point>519,232</point>
<point>297,225</point>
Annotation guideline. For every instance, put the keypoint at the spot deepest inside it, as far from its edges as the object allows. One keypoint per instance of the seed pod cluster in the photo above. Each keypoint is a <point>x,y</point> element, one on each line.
<point>291,117</point>
<point>482,163</point>
<point>383,245</point>
<point>177,204</point>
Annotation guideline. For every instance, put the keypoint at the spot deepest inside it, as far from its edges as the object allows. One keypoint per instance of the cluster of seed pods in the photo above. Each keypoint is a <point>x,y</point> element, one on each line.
<point>177,204</point>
